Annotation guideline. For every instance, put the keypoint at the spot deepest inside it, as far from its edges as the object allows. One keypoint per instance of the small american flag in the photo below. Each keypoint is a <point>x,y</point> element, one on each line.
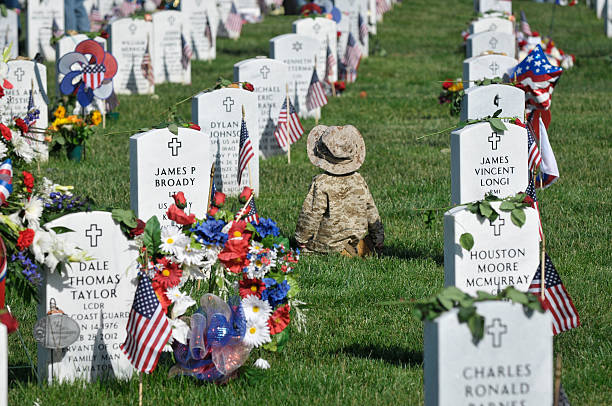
<point>6,180</point>
<point>348,74</point>
<point>33,113</point>
<point>208,32</point>
<point>534,158</point>
<point>95,18</point>
<point>537,77</point>
<point>556,298</point>
<point>352,55</point>
<point>186,53</point>
<point>381,7</point>
<point>549,170</point>
<point>363,29</point>
<point>146,66</point>
<point>245,151</point>
<point>530,192</point>
<point>315,97</point>
<point>56,30</point>
<point>148,329</point>
<point>93,75</point>
<point>234,21</point>
<point>331,62</point>
<point>288,130</point>
<point>251,215</point>
<point>525,28</point>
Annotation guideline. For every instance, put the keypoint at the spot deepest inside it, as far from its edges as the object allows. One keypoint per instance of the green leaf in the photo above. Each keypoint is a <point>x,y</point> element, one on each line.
<point>494,215</point>
<point>61,230</point>
<point>454,293</point>
<point>152,236</point>
<point>507,206</point>
<point>497,124</point>
<point>293,284</point>
<point>281,339</point>
<point>482,295</point>
<point>466,241</point>
<point>516,296</point>
<point>472,207</point>
<point>268,242</point>
<point>194,244</point>
<point>476,325</point>
<point>465,313</point>
<point>3,10</point>
<point>173,128</point>
<point>445,302</point>
<point>417,312</point>
<point>518,217</point>
<point>251,227</point>
<point>485,208</point>
<point>126,217</point>
<point>497,113</point>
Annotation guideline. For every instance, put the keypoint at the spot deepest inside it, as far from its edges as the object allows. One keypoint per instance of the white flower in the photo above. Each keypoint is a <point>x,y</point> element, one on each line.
<point>40,245</point>
<point>22,148</point>
<point>261,263</point>
<point>2,150</point>
<point>173,240</point>
<point>180,330</point>
<point>189,256</point>
<point>181,302</point>
<point>33,210</point>
<point>256,247</point>
<point>257,333</point>
<point>261,364</point>
<point>255,309</point>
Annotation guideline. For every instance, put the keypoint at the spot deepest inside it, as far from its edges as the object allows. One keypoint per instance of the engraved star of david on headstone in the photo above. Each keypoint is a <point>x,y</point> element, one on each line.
<point>496,329</point>
<point>174,145</point>
<point>93,232</point>
<point>316,28</point>
<point>171,20</point>
<point>493,42</point>
<point>228,103</point>
<point>494,67</point>
<point>19,74</point>
<point>497,225</point>
<point>297,46</point>
<point>494,138</point>
<point>264,71</point>
<point>132,28</point>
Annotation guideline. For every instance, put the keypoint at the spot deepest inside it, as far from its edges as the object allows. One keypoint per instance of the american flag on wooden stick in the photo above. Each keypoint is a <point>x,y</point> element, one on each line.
<point>288,129</point>
<point>233,22</point>
<point>208,32</point>
<point>146,66</point>
<point>556,299</point>
<point>245,151</point>
<point>95,18</point>
<point>525,28</point>
<point>534,157</point>
<point>148,329</point>
<point>330,63</point>
<point>251,216</point>
<point>315,97</point>
<point>530,192</point>
<point>352,54</point>
<point>56,30</point>
<point>186,53</point>
<point>363,29</point>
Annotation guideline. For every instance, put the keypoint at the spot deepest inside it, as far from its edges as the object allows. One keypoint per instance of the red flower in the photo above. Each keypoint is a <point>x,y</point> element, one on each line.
<point>279,319</point>
<point>194,126</point>
<point>104,34</point>
<point>519,122</point>
<point>9,321</point>
<point>28,180</point>
<point>6,132</point>
<point>219,199</point>
<point>238,231</point>
<point>178,216</point>
<point>25,239</point>
<point>535,34</point>
<point>529,200</point>
<point>212,211</point>
<point>22,125</point>
<point>249,287</point>
<point>234,255</point>
<point>447,84</point>
<point>245,195</point>
<point>340,86</point>
<point>169,275</point>
<point>179,200</point>
<point>139,229</point>
<point>1,92</point>
<point>248,86</point>
<point>311,8</point>
<point>160,292</point>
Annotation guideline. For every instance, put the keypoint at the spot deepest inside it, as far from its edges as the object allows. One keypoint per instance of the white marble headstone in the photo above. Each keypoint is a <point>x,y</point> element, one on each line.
<point>219,114</point>
<point>249,10</point>
<point>491,24</point>
<point>168,28</point>
<point>97,294</point>
<point>162,164</point>
<point>491,41</point>
<point>511,365</point>
<point>600,5</point>
<point>503,254</point>
<point>8,32</point>
<point>269,78</point>
<point>372,16</point>
<point>483,101</point>
<point>608,19</point>
<point>323,30</point>
<point>40,17</point>
<point>128,44</point>
<point>196,15</point>
<point>350,23</point>
<point>15,101</point>
<point>486,67</point>
<point>298,52</point>
<point>484,161</point>
<point>483,6</point>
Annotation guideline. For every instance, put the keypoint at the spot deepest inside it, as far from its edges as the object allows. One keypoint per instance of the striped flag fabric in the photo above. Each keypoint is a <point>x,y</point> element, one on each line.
<point>233,22</point>
<point>556,299</point>
<point>93,75</point>
<point>330,63</point>
<point>95,18</point>
<point>315,97</point>
<point>56,30</point>
<point>148,329</point>
<point>251,215</point>
<point>289,127</point>
<point>549,171</point>
<point>537,77</point>
<point>146,66</point>
<point>530,192</point>
<point>525,28</point>
<point>208,32</point>
<point>245,151</point>
<point>6,180</point>
<point>363,29</point>
<point>352,55</point>
<point>186,52</point>
<point>348,74</point>
<point>534,158</point>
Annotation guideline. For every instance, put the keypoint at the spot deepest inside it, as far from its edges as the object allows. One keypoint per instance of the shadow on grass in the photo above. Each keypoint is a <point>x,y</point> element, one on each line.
<point>391,355</point>
<point>403,253</point>
<point>21,373</point>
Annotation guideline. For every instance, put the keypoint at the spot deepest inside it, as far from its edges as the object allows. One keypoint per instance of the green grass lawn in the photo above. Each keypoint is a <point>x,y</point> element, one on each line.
<point>355,351</point>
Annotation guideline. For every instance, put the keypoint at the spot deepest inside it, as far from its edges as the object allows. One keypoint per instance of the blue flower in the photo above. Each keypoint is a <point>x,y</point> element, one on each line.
<point>275,293</point>
<point>209,232</point>
<point>30,269</point>
<point>267,227</point>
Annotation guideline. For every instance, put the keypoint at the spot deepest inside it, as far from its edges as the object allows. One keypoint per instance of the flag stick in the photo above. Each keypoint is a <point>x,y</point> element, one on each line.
<point>287,127</point>
<point>210,186</point>
<point>140,389</point>
<point>557,393</point>
<point>543,254</point>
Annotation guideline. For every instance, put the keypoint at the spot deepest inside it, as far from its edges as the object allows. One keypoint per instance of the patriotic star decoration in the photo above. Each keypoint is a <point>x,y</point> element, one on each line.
<point>536,63</point>
<point>88,72</point>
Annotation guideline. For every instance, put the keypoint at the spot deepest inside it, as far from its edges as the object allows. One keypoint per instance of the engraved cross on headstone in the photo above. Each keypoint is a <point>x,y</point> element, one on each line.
<point>493,42</point>
<point>132,28</point>
<point>93,232</point>
<point>228,103</point>
<point>494,138</point>
<point>264,71</point>
<point>494,67</point>
<point>316,28</point>
<point>19,74</point>
<point>497,225</point>
<point>174,145</point>
<point>496,100</point>
<point>497,329</point>
<point>297,46</point>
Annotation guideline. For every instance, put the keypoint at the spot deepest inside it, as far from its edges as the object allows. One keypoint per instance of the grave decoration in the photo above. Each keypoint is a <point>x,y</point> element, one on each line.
<point>4,69</point>
<point>527,40</point>
<point>71,131</point>
<point>88,72</point>
<point>452,92</point>
<point>251,274</point>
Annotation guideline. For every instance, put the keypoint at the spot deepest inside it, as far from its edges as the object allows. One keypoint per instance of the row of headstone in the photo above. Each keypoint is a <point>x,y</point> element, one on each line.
<point>26,77</point>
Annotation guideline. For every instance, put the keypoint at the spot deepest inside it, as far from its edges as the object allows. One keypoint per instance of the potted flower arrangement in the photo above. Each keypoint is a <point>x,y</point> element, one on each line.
<point>249,274</point>
<point>72,131</point>
<point>452,93</point>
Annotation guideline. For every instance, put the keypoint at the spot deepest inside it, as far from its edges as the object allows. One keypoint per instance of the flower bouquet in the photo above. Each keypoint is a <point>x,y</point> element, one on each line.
<point>249,274</point>
<point>452,93</point>
<point>72,131</point>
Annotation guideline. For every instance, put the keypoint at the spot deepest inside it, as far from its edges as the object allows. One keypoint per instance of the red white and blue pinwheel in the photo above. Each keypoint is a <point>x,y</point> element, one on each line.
<point>88,72</point>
